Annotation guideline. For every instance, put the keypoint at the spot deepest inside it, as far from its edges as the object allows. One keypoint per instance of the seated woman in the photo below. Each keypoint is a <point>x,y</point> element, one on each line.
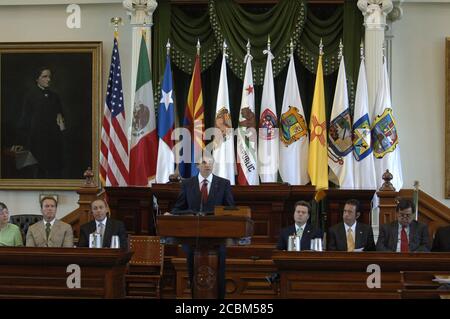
<point>9,233</point>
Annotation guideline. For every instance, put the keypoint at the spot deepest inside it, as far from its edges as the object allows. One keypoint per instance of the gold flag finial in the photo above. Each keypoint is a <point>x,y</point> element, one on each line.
<point>320,47</point>
<point>116,21</point>
<point>198,46</point>
<point>168,47</point>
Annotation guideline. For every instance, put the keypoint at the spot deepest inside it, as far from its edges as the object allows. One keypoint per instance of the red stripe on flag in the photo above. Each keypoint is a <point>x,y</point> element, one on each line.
<point>118,160</point>
<point>111,162</point>
<point>242,180</point>
<point>143,159</point>
<point>120,134</point>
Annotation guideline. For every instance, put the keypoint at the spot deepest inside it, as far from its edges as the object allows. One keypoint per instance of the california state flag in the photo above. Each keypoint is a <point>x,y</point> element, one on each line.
<point>247,135</point>
<point>144,139</point>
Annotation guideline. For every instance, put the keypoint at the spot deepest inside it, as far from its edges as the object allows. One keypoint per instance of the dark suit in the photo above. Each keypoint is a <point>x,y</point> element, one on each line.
<point>305,243</point>
<point>112,228</point>
<point>190,198</point>
<point>39,133</point>
<point>418,237</point>
<point>441,240</point>
<point>337,237</point>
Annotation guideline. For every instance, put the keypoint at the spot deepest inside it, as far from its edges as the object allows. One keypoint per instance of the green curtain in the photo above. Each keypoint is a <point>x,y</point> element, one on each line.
<point>236,26</point>
<point>224,19</point>
<point>352,38</point>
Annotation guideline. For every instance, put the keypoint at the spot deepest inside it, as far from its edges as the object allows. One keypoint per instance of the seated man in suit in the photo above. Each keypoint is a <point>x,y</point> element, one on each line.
<point>202,193</point>
<point>301,228</point>
<point>351,234</point>
<point>49,232</point>
<point>441,240</point>
<point>405,234</point>
<point>103,225</point>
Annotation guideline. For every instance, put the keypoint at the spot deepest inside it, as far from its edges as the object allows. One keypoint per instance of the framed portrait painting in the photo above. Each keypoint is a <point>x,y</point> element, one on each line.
<point>447,118</point>
<point>50,100</point>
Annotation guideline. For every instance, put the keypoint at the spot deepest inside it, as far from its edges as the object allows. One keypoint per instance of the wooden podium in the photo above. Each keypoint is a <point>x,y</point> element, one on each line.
<point>205,234</point>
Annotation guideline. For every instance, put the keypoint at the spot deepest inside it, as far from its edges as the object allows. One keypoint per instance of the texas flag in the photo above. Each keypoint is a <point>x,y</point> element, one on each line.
<point>166,125</point>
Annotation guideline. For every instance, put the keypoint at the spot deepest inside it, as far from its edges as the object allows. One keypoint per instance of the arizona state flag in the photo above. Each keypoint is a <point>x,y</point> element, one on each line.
<point>194,122</point>
<point>318,149</point>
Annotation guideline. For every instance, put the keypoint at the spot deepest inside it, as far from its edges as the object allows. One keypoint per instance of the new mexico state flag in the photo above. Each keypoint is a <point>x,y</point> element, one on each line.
<point>318,148</point>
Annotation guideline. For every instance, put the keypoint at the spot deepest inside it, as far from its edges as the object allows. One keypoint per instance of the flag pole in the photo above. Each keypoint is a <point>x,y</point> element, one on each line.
<point>416,199</point>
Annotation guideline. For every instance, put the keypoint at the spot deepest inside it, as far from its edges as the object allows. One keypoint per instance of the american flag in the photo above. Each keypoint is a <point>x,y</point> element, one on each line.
<point>114,145</point>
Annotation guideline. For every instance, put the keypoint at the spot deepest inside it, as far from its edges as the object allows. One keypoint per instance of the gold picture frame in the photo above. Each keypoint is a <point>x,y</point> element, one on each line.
<point>49,135</point>
<point>447,118</point>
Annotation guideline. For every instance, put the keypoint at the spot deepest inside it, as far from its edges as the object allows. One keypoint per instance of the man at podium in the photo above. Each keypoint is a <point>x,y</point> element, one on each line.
<point>200,194</point>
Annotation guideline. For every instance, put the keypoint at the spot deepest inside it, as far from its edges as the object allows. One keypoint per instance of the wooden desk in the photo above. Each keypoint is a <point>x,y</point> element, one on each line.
<point>28,272</point>
<point>344,275</point>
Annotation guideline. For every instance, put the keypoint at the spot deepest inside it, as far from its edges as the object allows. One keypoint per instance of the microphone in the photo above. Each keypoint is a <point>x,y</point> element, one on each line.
<point>200,213</point>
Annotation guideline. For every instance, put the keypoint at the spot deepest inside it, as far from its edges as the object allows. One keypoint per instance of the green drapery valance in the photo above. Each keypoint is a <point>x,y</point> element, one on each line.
<point>288,19</point>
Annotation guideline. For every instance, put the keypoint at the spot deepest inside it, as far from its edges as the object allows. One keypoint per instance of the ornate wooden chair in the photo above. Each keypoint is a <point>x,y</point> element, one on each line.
<point>145,269</point>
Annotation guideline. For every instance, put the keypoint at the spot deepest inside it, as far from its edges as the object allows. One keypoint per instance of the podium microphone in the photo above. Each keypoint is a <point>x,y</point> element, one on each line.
<point>200,212</point>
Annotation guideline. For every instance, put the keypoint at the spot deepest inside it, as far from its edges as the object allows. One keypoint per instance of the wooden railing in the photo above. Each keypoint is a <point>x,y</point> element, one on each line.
<point>82,214</point>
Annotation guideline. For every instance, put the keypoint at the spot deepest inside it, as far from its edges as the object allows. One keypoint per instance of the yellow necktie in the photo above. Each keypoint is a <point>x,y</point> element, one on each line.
<point>350,240</point>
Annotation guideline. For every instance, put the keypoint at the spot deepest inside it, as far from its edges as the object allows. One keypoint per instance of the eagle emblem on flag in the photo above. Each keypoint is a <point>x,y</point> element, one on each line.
<point>340,134</point>
<point>361,138</point>
<point>141,117</point>
<point>384,134</point>
<point>293,126</point>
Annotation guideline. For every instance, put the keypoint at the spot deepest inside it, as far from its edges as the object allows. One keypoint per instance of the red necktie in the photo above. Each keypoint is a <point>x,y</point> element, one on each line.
<point>204,191</point>
<point>404,241</point>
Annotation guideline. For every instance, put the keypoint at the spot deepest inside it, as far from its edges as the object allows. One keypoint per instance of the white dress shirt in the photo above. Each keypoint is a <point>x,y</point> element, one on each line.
<point>200,181</point>
<point>51,223</point>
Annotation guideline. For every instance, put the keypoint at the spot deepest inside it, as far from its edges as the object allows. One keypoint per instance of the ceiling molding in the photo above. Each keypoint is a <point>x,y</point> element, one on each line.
<point>66,2</point>
<point>53,2</point>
